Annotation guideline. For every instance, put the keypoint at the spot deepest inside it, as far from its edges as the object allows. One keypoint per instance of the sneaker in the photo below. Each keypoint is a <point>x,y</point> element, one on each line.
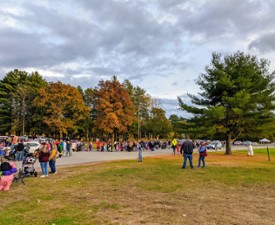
<point>46,175</point>
<point>42,176</point>
<point>54,173</point>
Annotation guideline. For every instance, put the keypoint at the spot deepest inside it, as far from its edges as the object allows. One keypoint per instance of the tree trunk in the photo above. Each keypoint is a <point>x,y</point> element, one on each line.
<point>113,140</point>
<point>60,133</point>
<point>228,144</point>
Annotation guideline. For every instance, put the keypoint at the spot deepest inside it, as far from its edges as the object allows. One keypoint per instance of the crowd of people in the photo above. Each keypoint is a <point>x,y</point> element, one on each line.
<point>49,150</point>
<point>128,146</point>
<point>14,149</point>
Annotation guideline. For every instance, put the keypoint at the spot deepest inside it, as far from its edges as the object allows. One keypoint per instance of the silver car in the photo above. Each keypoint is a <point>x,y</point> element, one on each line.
<point>214,145</point>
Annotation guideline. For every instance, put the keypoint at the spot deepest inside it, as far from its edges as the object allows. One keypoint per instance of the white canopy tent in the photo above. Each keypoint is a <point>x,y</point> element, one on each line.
<point>264,140</point>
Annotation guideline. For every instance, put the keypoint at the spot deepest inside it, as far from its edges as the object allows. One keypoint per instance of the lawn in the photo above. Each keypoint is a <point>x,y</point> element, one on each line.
<point>234,189</point>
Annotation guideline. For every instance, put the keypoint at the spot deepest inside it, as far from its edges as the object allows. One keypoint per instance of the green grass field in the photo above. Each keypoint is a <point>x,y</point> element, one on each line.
<point>234,189</point>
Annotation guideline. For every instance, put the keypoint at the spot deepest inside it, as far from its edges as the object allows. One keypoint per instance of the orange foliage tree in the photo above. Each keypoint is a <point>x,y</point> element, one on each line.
<point>114,107</point>
<point>62,106</point>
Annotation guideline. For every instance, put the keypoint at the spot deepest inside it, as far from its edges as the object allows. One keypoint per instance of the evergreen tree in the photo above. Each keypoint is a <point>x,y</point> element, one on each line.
<point>17,91</point>
<point>158,126</point>
<point>141,103</point>
<point>237,97</point>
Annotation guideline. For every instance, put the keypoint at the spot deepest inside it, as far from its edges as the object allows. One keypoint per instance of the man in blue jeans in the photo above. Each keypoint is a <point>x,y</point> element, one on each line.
<point>19,155</point>
<point>187,151</point>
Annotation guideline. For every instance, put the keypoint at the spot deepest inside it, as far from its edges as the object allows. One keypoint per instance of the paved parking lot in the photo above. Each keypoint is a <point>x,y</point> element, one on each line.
<point>94,156</point>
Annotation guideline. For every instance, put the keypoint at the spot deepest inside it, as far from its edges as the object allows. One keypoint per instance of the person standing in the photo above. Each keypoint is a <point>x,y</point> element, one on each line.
<point>174,145</point>
<point>90,146</point>
<point>60,148</point>
<point>187,151</point>
<point>98,145</point>
<point>202,154</point>
<point>19,155</point>
<point>140,147</point>
<point>43,157</point>
<point>68,148</point>
<point>64,147</point>
<point>169,143</point>
<point>52,159</point>
<point>250,151</point>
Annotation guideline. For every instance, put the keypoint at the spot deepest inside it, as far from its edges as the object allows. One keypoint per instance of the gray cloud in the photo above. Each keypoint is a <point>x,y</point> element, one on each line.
<point>265,43</point>
<point>172,106</point>
<point>160,45</point>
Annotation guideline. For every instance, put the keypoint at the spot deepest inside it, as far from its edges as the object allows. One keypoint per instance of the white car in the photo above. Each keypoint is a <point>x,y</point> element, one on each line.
<point>34,145</point>
<point>214,145</point>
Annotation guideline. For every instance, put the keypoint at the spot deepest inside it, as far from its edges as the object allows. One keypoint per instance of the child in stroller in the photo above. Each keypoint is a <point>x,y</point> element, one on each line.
<point>28,165</point>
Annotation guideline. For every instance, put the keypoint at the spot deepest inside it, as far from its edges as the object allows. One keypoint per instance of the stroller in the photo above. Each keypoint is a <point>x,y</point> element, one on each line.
<point>27,169</point>
<point>28,165</point>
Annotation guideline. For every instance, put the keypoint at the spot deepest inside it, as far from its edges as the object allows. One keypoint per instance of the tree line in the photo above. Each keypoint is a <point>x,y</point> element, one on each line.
<point>237,101</point>
<point>31,105</point>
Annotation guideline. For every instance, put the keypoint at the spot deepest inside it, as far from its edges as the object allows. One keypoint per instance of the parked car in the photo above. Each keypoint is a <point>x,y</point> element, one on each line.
<point>238,143</point>
<point>34,145</point>
<point>214,145</point>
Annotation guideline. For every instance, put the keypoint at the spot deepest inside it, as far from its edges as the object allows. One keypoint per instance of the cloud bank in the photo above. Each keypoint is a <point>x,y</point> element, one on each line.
<point>162,46</point>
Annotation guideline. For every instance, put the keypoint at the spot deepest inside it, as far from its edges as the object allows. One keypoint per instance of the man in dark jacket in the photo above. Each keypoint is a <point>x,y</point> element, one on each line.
<point>187,151</point>
<point>19,155</point>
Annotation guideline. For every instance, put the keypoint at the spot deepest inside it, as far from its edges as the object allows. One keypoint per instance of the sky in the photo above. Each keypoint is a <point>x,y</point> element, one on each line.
<point>161,46</point>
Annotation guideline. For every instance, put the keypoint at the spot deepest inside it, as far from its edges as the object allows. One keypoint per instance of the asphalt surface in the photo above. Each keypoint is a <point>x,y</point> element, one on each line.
<point>95,156</point>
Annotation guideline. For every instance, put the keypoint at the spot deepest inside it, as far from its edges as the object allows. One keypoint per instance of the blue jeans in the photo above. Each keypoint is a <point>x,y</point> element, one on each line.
<point>44,168</point>
<point>201,158</point>
<point>52,166</point>
<point>19,155</point>
<point>190,157</point>
<point>174,149</point>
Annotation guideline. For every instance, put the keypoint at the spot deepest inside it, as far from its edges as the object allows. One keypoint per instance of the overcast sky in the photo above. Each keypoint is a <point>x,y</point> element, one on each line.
<point>159,45</point>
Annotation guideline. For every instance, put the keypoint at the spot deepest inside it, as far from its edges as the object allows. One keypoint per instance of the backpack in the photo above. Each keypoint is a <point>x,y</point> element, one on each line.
<point>5,166</point>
